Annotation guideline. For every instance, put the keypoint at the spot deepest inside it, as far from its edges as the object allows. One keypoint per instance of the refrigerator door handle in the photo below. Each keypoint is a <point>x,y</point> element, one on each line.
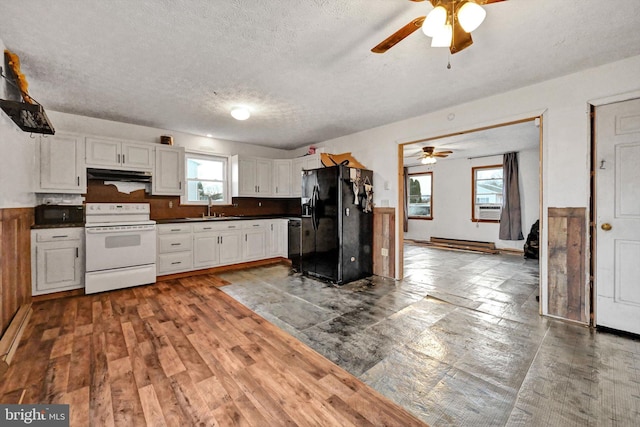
<point>314,199</point>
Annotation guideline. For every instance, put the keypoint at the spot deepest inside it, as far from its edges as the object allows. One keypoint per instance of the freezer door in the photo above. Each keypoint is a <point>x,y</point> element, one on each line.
<point>308,226</point>
<point>325,213</point>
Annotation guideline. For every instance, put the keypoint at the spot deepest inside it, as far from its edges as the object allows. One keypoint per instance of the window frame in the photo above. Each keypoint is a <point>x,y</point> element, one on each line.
<point>203,155</point>
<point>474,171</point>
<point>421,217</point>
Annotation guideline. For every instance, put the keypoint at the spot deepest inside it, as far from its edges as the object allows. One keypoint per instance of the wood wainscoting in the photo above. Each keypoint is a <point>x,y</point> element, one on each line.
<point>15,262</point>
<point>384,226</point>
<point>568,286</point>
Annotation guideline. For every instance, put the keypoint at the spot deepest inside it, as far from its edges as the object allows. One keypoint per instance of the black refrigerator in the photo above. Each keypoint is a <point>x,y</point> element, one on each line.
<point>337,224</point>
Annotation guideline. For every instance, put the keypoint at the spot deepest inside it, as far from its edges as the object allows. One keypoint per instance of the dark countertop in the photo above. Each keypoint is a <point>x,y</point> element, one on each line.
<point>66,225</point>
<point>222,218</point>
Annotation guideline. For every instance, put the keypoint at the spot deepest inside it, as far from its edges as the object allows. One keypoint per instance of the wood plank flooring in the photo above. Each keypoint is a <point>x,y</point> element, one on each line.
<point>179,353</point>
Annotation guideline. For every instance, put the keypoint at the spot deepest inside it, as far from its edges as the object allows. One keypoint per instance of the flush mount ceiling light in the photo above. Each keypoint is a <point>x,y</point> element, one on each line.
<point>449,24</point>
<point>240,113</point>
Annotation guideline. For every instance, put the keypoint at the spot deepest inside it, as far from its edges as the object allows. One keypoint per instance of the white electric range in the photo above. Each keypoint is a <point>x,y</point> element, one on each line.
<point>120,246</point>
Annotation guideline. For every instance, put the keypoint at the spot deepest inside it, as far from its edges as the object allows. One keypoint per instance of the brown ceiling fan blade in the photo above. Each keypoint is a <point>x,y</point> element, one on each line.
<point>483,2</point>
<point>399,35</point>
<point>445,152</point>
<point>439,155</point>
<point>461,39</point>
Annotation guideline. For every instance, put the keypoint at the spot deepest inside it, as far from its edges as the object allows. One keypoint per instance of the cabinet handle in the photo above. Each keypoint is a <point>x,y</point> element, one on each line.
<point>118,157</point>
<point>59,237</point>
<point>256,225</point>
<point>180,185</point>
<point>78,178</point>
<point>77,253</point>
<point>271,227</point>
<point>175,229</point>
<point>176,262</point>
<point>276,190</point>
<point>176,244</point>
<point>206,228</point>
<point>245,237</point>
<point>123,162</point>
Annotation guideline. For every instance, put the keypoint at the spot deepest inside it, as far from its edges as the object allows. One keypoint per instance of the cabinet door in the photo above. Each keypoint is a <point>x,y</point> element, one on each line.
<point>254,245</point>
<point>312,162</point>
<point>168,171</point>
<point>58,265</point>
<point>282,178</point>
<point>206,250</point>
<point>296,176</point>
<point>264,169</point>
<point>230,247</point>
<point>103,152</point>
<point>137,156</point>
<point>247,177</point>
<point>61,161</point>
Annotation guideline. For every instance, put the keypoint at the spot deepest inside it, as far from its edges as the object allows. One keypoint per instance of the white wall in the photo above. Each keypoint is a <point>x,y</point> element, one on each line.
<point>564,106</point>
<point>17,159</point>
<point>452,201</point>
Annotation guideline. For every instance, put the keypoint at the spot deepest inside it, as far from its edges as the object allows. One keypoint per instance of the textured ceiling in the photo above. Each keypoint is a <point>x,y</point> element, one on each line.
<point>304,68</point>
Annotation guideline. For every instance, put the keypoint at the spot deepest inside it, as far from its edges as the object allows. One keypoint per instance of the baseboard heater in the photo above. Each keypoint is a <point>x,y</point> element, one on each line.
<point>468,245</point>
<point>11,338</point>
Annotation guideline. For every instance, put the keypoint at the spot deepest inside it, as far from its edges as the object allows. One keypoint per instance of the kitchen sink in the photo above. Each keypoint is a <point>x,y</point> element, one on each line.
<point>210,218</point>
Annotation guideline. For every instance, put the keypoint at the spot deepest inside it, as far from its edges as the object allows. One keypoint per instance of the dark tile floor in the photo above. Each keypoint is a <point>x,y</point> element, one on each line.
<point>457,342</point>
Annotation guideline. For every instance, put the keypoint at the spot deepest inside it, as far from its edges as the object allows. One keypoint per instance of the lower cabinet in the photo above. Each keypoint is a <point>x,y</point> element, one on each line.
<point>199,245</point>
<point>57,260</point>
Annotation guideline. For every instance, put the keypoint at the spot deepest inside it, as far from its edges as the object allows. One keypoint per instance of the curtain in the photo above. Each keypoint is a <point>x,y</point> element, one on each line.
<point>406,200</point>
<point>511,216</point>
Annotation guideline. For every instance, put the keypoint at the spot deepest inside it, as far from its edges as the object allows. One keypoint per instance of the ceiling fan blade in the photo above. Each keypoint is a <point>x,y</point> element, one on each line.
<point>461,39</point>
<point>445,152</point>
<point>483,2</point>
<point>439,155</point>
<point>399,35</point>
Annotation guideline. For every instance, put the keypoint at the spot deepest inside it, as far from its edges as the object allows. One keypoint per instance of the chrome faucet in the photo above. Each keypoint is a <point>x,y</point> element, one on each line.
<point>209,205</point>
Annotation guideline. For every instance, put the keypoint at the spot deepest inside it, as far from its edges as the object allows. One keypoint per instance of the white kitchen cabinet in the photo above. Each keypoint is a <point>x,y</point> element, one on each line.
<point>57,260</point>
<point>281,178</point>
<point>297,166</point>
<point>216,243</point>
<point>123,155</point>
<point>175,250</point>
<point>277,242</point>
<point>60,159</point>
<point>168,171</point>
<point>251,176</point>
<point>254,246</point>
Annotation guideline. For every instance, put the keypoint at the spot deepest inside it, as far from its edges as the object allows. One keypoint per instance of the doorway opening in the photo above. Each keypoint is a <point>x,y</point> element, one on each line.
<point>452,211</point>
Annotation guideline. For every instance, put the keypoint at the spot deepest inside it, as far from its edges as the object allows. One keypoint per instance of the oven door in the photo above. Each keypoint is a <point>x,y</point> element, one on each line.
<point>117,247</point>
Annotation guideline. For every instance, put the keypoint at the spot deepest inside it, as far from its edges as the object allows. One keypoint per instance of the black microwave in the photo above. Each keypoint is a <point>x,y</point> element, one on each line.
<point>59,214</point>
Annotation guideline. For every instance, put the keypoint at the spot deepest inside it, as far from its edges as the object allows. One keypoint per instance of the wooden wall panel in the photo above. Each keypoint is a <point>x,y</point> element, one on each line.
<point>97,192</point>
<point>384,225</point>
<point>15,262</point>
<point>568,285</point>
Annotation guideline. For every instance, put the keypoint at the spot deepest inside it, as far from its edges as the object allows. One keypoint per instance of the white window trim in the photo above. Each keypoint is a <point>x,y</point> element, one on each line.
<point>184,200</point>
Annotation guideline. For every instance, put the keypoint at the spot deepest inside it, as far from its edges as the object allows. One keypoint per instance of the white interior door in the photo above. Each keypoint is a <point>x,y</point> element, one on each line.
<point>618,216</point>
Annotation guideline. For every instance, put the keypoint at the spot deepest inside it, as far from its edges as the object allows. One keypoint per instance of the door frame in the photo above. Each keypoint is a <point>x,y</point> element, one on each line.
<point>542,226</point>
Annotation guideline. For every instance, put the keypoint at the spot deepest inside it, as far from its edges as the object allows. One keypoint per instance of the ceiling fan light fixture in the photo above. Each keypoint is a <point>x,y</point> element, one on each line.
<point>470,16</point>
<point>436,19</point>
<point>428,160</point>
<point>443,37</point>
<point>240,113</point>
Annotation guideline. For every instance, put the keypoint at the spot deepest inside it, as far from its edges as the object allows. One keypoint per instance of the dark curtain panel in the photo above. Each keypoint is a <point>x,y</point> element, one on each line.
<point>406,200</point>
<point>511,216</point>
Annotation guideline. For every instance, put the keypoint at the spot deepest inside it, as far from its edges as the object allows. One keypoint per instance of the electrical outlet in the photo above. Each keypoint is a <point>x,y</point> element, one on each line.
<point>259,203</point>
<point>170,204</point>
<point>385,252</point>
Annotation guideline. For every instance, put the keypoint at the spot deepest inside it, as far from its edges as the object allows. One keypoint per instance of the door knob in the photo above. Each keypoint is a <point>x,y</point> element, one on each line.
<point>606,226</point>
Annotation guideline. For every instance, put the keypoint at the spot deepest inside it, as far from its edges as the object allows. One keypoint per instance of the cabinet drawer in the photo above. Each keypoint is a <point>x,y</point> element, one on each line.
<point>254,225</point>
<point>174,243</point>
<point>174,228</point>
<point>169,263</point>
<point>59,234</point>
<point>216,226</point>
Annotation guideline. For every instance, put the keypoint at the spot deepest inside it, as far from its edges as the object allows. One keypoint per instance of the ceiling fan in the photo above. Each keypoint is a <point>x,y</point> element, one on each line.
<point>429,154</point>
<point>449,24</point>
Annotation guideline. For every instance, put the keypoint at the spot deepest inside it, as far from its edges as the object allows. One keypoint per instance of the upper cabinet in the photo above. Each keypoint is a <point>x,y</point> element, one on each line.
<point>281,178</point>
<point>168,171</point>
<point>251,176</point>
<point>113,154</point>
<point>297,166</point>
<point>61,162</point>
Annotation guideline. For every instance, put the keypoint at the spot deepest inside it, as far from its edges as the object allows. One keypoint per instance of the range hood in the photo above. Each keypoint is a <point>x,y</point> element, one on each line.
<point>118,175</point>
